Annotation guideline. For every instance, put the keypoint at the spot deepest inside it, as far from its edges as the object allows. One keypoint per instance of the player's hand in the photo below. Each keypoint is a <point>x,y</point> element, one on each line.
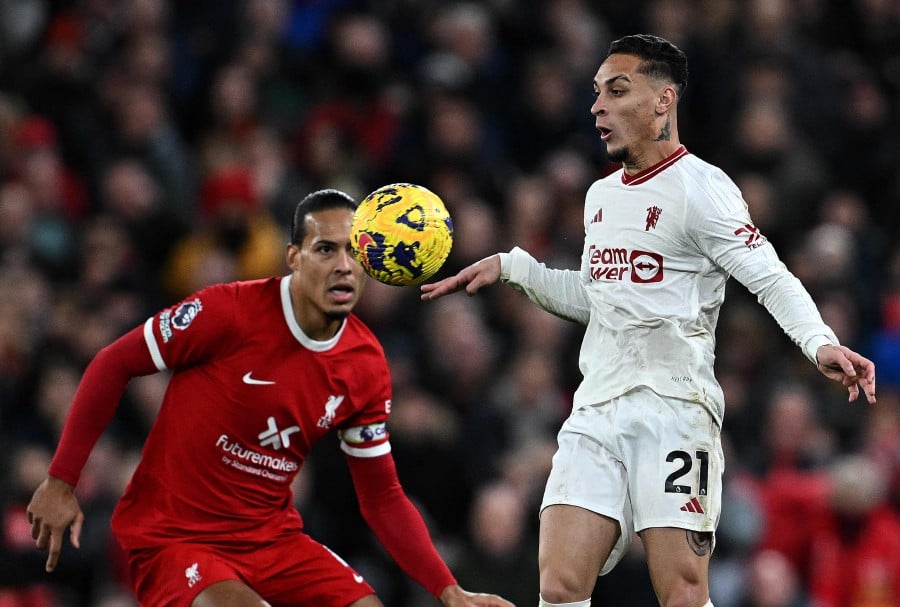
<point>53,508</point>
<point>472,278</point>
<point>853,370</point>
<point>454,596</point>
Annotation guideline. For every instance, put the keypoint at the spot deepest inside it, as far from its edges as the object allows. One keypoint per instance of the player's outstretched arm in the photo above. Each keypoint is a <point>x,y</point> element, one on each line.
<point>853,370</point>
<point>400,528</point>
<point>53,508</point>
<point>454,596</point>
<point>472,278</point>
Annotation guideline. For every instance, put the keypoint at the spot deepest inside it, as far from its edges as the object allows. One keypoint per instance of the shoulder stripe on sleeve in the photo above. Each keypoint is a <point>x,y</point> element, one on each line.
<point>155,354</point>
<point>373,451</point>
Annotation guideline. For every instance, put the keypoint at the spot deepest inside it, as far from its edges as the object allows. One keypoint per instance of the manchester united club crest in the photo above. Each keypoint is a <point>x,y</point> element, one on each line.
<point>653,214</point>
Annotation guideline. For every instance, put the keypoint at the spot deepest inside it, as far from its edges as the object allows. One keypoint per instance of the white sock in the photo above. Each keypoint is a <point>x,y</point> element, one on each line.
<point>708,603</point>
<point>585,603</point>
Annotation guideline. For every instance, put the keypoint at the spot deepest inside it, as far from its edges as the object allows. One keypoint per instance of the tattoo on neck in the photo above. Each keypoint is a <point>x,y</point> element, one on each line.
<point>699,541</point>
<point>666,133</point>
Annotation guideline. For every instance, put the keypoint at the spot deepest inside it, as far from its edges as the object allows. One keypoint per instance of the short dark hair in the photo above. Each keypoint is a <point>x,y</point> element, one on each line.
<point>319,200</point>
<point>661,58</point>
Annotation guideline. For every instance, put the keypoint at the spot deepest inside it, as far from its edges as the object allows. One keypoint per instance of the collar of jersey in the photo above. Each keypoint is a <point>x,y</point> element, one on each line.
<point>303,338</point>
<point>657,168</point>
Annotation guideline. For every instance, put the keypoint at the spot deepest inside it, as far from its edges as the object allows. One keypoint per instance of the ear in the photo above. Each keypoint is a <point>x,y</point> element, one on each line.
<point>292,256</point>
<point>666,100</point>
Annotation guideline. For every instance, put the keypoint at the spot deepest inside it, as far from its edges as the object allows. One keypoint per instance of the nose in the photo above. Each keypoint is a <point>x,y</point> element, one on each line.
<point>346,261</point>
<point>598,108</point>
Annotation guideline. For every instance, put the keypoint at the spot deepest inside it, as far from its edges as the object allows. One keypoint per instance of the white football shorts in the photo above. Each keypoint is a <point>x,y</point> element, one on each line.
<point>643,460</point>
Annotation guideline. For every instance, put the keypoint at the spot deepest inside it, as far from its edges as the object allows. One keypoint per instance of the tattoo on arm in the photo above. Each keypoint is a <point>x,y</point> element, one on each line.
<point>666,133</point>
<point>700,541</point>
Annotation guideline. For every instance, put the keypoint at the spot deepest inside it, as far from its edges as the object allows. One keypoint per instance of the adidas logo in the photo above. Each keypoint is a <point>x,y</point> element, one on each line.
<point>692,506</point>
<point>598,217</point>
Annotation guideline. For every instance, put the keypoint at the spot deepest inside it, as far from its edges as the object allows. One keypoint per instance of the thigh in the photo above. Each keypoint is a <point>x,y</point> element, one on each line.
<point>229,593</point>
<point>174,575</point>
<point>575,539</point>
<point>232,593</point>
<point>678,560</point>
<point>586,474</point>
<point>298,571</point>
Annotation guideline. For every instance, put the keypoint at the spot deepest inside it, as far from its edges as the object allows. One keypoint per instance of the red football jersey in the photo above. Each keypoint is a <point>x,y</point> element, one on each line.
<point>249,395</point>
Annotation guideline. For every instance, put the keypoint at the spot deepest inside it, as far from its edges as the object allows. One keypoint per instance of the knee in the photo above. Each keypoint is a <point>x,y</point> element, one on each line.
<point>685,594</point>
<point>564,587</point>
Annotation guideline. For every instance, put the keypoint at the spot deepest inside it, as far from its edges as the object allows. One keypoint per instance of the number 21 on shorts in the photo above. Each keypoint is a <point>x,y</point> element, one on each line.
<point>687,463</point>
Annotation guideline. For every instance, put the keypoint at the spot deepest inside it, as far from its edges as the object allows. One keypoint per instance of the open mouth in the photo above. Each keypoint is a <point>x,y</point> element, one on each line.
<point>341,293</point>
<point>604,132</point>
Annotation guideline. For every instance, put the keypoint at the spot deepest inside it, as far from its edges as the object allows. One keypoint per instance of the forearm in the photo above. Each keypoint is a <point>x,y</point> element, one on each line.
<point>559,292</point>
<point>96,401</point>
<point>397,523</point>
<point>792,307</point>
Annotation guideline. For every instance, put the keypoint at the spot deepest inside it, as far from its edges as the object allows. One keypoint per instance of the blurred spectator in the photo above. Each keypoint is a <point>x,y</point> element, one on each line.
<point>21,582</point>
<point>772,582</point>
<point>855,554</point>
<point>501,554</point>
<point>766,141</point>
<point>548,117</point>
<point>460,352</point>
<point>529,208</point>
<point>424,431</point>
<point>235,226</point>
<point>134,198</point>
<point>144,129</point>
<point>233,119</point>
<point>886,340</point>
<point>794,438</point>
<point>39,166</point>
<point>276,182</point>
<point>526,406</point>
<point>475,227</point>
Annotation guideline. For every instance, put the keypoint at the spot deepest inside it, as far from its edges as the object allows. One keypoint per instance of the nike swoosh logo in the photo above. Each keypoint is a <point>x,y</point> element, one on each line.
<point>359,579</point>
<point>256,382</point>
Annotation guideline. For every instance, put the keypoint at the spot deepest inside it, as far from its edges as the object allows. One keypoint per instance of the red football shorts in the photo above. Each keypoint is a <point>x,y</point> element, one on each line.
<point>292,572</point>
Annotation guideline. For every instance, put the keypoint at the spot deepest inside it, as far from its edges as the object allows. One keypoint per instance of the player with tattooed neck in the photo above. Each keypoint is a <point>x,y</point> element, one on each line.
<point>641,450</point>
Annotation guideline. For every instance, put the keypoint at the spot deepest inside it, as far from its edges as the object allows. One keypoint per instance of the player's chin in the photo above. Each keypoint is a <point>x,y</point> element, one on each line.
<point>616,153</point>
<point>337,314</point>
<point>341,307</point>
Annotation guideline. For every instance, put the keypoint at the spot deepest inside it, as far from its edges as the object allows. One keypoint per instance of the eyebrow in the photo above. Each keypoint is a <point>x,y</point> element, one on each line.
<point>609,81</point>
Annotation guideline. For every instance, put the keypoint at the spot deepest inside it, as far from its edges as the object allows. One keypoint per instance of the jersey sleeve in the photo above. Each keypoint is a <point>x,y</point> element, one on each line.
<point>725,233</point>
<point>397,523</point>
<point>96,401</point>
<point>365,433</point>
<point>192,330</point>
<point>560,292</point>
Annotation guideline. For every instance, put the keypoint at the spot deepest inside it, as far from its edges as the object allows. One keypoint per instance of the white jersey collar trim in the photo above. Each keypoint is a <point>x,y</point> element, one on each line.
<point>303,338</point>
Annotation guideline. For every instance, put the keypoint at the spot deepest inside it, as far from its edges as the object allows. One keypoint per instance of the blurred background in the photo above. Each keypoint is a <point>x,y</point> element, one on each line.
<point>151,147</point>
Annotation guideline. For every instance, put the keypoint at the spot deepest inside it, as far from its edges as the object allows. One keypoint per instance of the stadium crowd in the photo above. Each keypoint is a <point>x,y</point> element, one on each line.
<point>151,147</point>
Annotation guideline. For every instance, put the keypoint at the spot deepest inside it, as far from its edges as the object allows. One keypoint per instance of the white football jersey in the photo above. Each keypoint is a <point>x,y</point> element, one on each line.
<point>659,247</point>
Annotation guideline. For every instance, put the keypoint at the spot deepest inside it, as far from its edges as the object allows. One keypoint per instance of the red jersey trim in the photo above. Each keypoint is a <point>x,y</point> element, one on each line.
<point>656,169</point>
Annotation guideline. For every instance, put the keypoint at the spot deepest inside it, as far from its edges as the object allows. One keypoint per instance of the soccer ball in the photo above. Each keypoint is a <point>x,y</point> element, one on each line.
<point>401,234</point>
